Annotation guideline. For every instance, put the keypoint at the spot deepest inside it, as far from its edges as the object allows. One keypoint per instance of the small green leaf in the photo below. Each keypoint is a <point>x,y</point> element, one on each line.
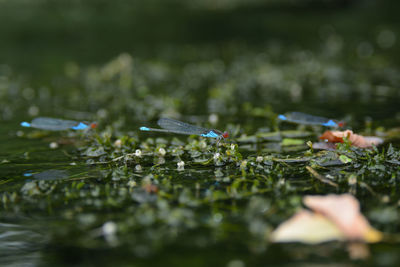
<point>292,142</point>
<point>80,185</point>
<point>345,159</point>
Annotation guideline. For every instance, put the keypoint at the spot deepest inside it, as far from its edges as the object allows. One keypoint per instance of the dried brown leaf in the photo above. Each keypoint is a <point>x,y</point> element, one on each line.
<point>344,211</point>
<point>355,139</point>
<point>307,227</point>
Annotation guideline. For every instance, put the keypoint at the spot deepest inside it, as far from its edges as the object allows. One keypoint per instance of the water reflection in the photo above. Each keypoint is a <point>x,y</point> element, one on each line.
<point>19,246</point>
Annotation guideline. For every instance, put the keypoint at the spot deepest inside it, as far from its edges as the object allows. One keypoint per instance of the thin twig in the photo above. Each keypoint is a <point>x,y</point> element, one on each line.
<point>321,177</point>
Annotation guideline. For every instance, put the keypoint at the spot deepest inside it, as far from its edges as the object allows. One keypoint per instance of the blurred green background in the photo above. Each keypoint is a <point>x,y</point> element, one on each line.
<point>318,56</point>
<point>126,63</point>
<point>45,34</point>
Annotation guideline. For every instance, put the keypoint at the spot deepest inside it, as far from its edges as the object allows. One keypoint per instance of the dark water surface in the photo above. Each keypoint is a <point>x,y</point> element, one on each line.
<point>115,196</point>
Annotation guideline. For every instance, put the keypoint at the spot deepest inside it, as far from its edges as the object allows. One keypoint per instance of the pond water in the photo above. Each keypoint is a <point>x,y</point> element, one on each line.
<point>117,196</point>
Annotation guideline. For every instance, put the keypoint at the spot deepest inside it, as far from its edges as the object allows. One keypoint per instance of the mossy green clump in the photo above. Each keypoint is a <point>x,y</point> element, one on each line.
<point>150,198</point>
<point>134,196</point>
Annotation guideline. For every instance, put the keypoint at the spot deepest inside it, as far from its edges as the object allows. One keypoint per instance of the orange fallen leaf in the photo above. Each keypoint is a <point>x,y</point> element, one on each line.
<point>334,217</point>
<point>355,139</point>
<point>307,227</point>
<point>344,211</point>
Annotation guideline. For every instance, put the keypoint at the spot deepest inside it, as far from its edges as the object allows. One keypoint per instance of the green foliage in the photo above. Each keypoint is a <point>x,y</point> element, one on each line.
<point>148,196</point>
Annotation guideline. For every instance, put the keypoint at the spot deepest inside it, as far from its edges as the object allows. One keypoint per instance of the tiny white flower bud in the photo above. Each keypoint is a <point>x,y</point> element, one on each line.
<point>138,168</point>
<point>162,152</point>
<point>243,164</point>
<point>131,183</point>
<point>118,143</point>
<point>53,145</point>
<point>109,228</point>
<point>181,165</point>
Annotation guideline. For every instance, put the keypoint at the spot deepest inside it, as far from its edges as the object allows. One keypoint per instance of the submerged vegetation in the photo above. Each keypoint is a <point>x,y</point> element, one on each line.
<point>116,196</point>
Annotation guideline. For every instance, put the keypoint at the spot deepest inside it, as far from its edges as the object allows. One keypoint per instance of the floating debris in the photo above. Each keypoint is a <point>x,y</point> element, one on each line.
<point>355,139</point>
<point>334,217</point>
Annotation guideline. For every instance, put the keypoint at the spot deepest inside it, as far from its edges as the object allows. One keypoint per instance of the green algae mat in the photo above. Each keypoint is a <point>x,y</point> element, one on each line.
<point>117,196</point>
